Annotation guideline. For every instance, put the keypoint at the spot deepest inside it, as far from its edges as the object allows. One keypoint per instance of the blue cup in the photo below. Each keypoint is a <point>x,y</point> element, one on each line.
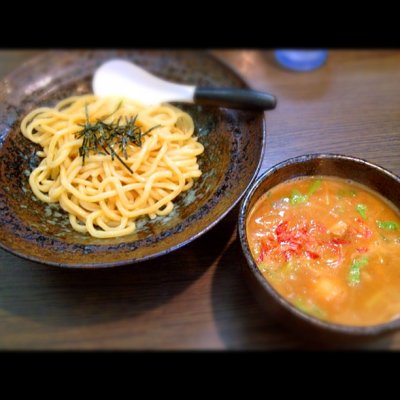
<point>301,60</point>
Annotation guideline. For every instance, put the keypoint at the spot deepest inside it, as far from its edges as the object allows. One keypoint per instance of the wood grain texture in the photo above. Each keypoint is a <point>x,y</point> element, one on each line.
<point>195,298</point>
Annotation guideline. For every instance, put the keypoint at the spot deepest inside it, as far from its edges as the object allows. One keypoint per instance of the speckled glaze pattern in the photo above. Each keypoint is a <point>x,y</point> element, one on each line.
<point>234,142</point>
<point>371,175</point>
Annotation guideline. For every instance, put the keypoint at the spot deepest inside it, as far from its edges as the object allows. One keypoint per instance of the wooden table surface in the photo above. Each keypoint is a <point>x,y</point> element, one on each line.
<point>195,298</point>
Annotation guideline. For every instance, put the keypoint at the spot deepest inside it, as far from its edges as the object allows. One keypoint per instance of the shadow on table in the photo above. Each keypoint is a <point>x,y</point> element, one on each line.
<point>66,297</point>
<point>240,321</point>
<point>243,324</point>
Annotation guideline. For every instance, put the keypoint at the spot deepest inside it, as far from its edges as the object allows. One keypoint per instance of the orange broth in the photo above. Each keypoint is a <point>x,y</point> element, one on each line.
<point>331,247</point>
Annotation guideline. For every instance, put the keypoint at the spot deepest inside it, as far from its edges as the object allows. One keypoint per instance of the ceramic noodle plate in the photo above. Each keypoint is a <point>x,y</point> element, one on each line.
<point>234,142</point>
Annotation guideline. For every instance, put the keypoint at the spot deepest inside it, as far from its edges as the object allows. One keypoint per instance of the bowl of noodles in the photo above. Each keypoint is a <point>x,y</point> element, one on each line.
<point>90,182</point>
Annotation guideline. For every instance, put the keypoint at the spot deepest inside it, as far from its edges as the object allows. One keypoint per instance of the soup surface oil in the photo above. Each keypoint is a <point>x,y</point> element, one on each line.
<point>331,247</point>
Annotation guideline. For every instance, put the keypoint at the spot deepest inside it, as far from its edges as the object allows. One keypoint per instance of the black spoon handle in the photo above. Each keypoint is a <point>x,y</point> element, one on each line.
<point>244,99</point>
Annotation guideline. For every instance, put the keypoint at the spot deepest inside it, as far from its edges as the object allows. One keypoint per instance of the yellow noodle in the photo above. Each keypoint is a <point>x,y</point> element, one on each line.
<point>103,198</point>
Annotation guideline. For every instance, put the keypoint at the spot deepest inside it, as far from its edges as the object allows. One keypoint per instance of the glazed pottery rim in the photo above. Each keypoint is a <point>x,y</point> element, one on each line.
<point>350,330</point>
<point>129,261</point>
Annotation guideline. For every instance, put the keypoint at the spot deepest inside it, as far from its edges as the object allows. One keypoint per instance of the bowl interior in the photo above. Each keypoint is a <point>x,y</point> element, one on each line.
<point>233,143</point>
<point>372,176</point>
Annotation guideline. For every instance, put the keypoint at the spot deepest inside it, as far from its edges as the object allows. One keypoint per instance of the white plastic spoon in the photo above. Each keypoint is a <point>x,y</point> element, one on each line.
<point>123,78</point>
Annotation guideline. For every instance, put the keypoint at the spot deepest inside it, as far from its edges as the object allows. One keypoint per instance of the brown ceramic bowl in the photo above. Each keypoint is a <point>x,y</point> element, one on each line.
<point>373,176</point>
<point>234,142</point>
